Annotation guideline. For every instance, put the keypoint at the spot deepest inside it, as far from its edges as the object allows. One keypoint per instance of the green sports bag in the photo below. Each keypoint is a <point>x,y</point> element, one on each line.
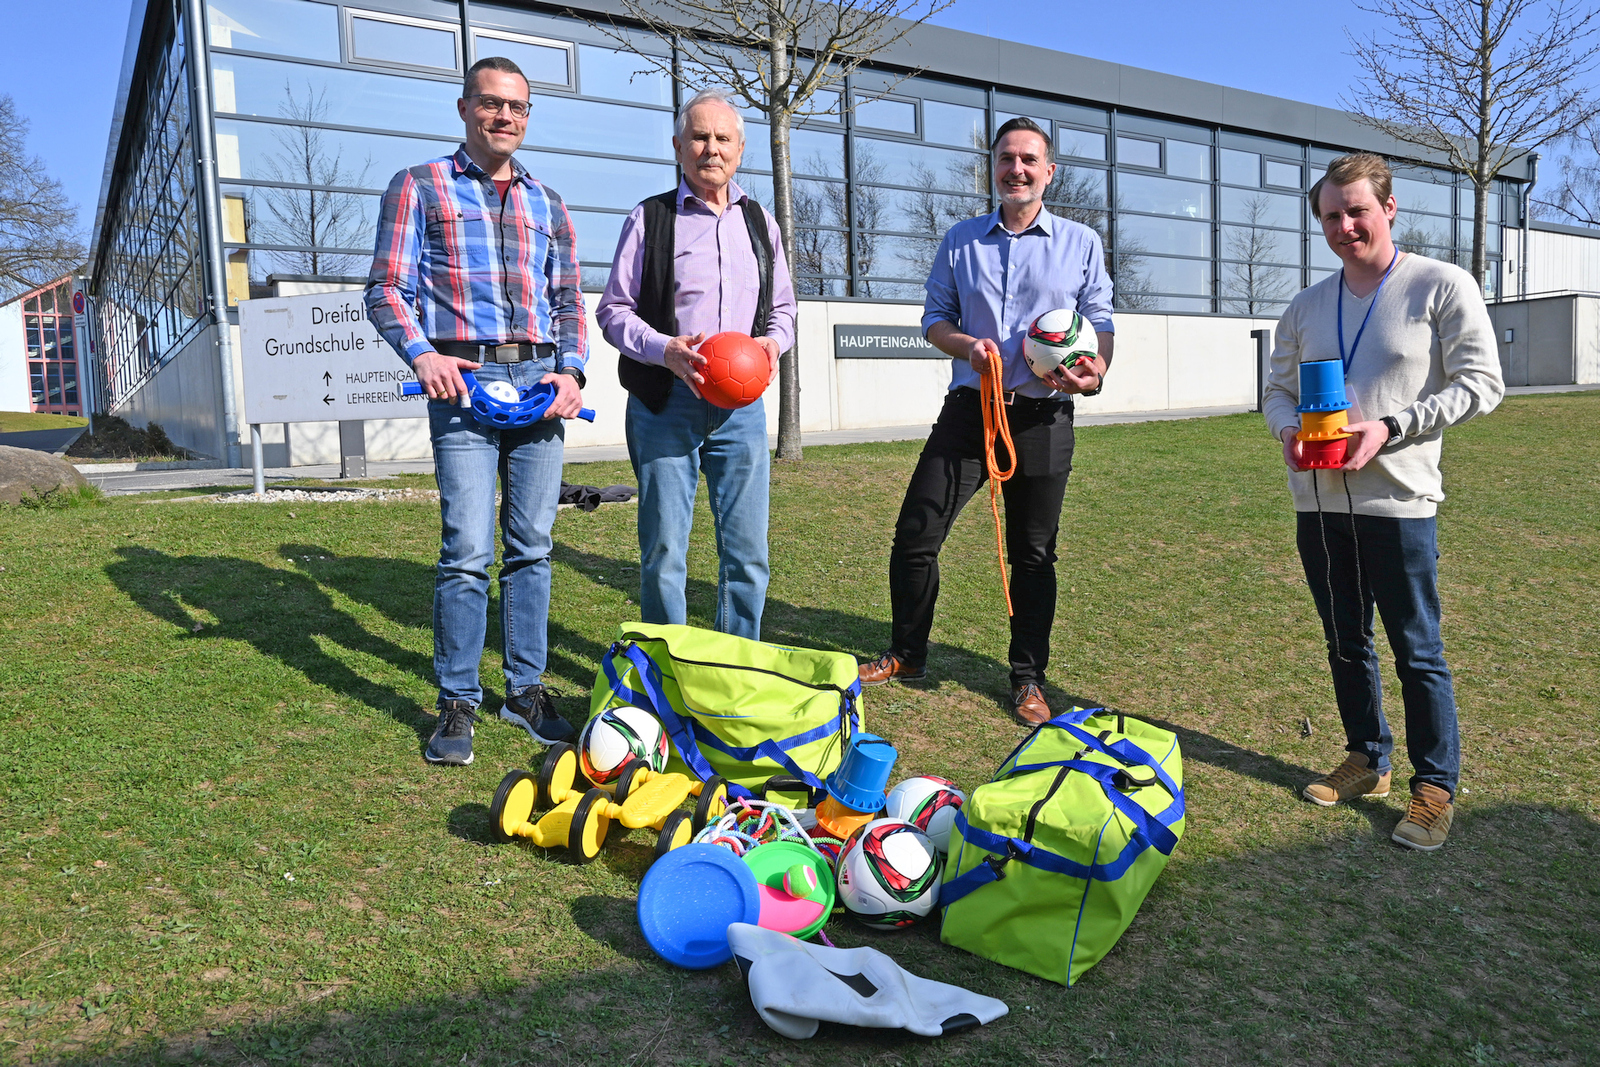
<point>742,709</point>
<point>1058,851</point>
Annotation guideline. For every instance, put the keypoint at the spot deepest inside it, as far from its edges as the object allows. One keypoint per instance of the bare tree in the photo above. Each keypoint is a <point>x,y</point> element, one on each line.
<point>1576,199</point>
<point>786,59</point>
<point>317,218</point>
<point>1480,82</point>
<point>1253,285</point>
<point>39,239</point>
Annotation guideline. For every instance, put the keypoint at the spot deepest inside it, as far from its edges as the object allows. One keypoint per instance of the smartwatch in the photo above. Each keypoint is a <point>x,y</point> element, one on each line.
<point>1395,436</point>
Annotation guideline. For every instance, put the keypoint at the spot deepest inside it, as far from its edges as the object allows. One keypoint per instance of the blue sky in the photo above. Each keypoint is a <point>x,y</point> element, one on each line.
<point>1295,51</point>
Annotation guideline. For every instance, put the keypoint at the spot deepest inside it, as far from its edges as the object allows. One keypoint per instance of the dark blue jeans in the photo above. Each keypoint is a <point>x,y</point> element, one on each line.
<point>1396,570</point>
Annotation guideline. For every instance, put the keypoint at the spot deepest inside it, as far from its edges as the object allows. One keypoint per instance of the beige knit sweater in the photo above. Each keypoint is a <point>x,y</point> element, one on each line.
<point>1427,357</point>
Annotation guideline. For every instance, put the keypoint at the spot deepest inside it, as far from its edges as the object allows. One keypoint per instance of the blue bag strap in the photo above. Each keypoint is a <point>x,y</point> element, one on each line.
<point>1122,751</point>
<point>656,702</point>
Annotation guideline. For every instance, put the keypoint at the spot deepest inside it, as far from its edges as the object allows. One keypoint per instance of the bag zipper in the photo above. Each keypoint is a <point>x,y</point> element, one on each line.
<point>1033,812</point>
<point>738,667</point>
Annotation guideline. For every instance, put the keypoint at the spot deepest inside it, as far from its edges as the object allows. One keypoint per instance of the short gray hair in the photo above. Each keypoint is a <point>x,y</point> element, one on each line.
<point>708,96</point>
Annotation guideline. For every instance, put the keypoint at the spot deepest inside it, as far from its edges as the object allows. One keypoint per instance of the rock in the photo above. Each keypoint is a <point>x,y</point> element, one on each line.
<point>25,472</point>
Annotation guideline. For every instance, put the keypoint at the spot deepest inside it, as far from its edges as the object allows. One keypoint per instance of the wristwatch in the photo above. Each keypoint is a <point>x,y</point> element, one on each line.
<point>1099,385</point>
<point>1395,436</point>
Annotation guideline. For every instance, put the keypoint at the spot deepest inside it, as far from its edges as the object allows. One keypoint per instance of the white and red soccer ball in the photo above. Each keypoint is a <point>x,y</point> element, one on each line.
<point>1058,338</point>
<point>931,803</point>
<point>617,735</point>
<point>888,874</point>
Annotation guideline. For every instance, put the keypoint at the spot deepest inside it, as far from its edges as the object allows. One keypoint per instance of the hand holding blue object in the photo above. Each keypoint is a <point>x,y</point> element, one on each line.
<point>501,414</point>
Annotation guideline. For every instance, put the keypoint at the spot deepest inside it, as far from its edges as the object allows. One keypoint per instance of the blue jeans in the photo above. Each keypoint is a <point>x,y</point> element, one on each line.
<point>1396,571</point>
<point>467,459</point>
<point>668,452</point>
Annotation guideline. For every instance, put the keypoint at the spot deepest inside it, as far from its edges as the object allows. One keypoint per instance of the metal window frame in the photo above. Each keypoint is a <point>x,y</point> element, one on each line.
<point>574,75</point>
<point>1140,168</point>
<point>1104,135</point>
<point>350,14</point>
<point>893,98</point>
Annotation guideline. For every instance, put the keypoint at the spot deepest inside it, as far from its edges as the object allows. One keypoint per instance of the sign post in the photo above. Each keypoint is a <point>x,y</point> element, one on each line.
<point>317,358</point>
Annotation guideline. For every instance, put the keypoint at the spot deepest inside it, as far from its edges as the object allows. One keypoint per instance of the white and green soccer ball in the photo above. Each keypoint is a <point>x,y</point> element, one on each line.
<point>617,735</point>
<point>1058,337</point>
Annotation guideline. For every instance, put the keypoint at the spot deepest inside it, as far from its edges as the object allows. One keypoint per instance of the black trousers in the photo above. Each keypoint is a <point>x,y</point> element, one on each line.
<point>949,471</point>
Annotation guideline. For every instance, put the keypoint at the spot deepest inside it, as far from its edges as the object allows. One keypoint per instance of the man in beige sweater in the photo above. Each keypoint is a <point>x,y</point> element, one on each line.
<point>1419,355</point>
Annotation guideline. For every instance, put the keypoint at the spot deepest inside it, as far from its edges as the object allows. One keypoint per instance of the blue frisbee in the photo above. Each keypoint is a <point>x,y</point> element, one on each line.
<point>687,900</point>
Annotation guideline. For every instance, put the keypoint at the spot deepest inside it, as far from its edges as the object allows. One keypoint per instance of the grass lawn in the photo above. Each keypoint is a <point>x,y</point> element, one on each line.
<point>219,842</point>
<point>18,421</point>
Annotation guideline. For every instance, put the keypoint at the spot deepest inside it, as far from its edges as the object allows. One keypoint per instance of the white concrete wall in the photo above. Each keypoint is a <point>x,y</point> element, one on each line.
<point>15,393</point>
<point>1557,263</point>
<point>185,397</point>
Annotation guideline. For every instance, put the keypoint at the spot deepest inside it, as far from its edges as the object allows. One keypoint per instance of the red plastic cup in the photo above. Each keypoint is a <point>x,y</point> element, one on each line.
<point>1324,455</point>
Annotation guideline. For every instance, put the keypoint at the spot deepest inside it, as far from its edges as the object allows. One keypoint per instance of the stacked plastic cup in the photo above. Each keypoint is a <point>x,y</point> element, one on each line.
<point>858,789</point>
<point>1324,414</point>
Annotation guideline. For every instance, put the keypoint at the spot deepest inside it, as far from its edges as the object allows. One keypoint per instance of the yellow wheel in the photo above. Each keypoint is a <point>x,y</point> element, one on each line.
<point>713,801</point>
<point>589,825</point>
<point>512,805</point>
<point>557,775</point>
<point>675,833</point>
<point>625,780</point>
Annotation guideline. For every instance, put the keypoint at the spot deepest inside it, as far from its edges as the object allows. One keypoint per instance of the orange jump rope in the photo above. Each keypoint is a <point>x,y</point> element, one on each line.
<point>997,426</point>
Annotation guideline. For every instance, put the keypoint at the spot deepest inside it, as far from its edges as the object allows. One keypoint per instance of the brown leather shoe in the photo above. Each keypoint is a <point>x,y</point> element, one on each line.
<point>1027,700</point>
<point>890,668</point>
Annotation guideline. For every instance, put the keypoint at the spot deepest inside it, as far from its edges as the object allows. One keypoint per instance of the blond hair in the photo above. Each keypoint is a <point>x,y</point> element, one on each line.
<point>1346,170</point>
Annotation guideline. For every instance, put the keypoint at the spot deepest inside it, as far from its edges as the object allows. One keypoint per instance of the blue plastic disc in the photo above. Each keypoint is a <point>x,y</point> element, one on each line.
<point>688,899</point>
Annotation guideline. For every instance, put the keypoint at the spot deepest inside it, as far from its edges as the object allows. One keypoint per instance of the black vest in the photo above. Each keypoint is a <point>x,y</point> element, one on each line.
<point>659,286</point>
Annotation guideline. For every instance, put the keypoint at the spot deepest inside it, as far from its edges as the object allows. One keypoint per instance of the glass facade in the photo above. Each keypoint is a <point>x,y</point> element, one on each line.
<point>52,347</point>
<point>318,104</point>
<point>149,266</point>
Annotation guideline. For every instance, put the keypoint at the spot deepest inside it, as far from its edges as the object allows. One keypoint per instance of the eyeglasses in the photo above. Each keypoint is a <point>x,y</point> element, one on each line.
<point>491,105</point>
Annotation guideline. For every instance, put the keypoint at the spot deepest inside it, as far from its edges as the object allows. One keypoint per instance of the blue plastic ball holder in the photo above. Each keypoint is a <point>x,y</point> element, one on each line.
<point>862,779</point>
<point>688,899</point>
<point>1322,386</point>
<point>530,405</point>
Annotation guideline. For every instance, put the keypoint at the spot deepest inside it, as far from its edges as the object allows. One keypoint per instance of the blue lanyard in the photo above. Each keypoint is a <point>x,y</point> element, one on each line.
<point>1351,358</point>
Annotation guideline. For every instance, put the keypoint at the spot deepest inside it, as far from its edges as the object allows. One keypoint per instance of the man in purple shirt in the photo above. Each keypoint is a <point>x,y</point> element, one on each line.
<point>692,263</point>
<point>991,277</point>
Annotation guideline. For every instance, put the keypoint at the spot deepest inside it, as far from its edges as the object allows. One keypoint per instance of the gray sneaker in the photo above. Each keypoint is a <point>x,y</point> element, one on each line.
<point>534,711</point>
<point>452,738</point>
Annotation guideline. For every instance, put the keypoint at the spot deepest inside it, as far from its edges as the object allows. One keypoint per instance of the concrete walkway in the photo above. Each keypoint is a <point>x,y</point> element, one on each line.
<point>114,479</point>
<point>56,441</point>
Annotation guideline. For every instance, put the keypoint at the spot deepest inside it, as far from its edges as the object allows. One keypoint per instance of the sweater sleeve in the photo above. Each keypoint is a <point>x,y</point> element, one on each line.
<point>1281,393</point>
<point>1471,362</point>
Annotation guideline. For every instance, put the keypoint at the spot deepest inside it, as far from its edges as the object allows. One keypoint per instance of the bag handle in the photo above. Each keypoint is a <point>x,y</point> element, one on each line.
<point>1124,752</point>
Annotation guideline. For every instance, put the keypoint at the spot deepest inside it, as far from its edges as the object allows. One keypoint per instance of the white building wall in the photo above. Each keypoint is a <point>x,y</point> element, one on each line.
<point>185,397</point>
<point>15,394</point>
<point>1557,262</point>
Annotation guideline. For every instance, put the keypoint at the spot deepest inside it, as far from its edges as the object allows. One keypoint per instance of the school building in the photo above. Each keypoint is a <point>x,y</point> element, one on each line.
<point>252,139</point>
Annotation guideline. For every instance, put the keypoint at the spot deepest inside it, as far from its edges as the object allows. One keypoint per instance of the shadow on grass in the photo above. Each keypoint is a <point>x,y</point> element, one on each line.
<point>1498,935</point>
<point>281,613</point>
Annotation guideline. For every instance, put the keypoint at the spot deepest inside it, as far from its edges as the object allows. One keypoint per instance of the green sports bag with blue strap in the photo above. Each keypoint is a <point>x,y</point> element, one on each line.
<point>742,709</point>
<point>1051,859</point>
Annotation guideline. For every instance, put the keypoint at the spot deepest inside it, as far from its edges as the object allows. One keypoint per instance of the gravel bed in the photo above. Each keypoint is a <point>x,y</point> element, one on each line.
<point>291,496</point>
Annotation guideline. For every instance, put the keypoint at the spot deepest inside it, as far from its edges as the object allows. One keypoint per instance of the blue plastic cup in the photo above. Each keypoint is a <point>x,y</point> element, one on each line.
<point>863,777</point>
<point>1322,386</point>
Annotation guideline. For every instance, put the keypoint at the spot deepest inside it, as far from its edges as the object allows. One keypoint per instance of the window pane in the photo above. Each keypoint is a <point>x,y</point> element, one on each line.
<point>1163,196</point>
<point>1081,186</point>
<point>1416,233</point>
<point>1254,288</point>
<point>810,151</point>
<point>586,181</point>
<point>603,72</point>
<point>953,124</point>
<point>923,211</point>
<point>539,62</point>
<point>53,385</point>
<point>1191,276</point>
<point>562,122</point>
<point>1253,244</point>
<point>1241,168</point>
<point>1286,175</point>
<point>32,330</point>
<point>1185,160</point>
<point>64,328</point>
<point>924,168</point>
<point>1098,221</point>
<point>1261,209</point>
<point>48,332</point>
<point>69,382</point>
<point>305,217</point>
<point>815,203</point>
<point>1080,144</point>
<point>1172,236</point>
<point>1422,196</point>
<point>283,27</point>
<point>597,234</point>
<point>897,115</point>
<point>307,155</point>
<point>402,42</point>
<point>1134,152</point>
<point>275,89</point>
<point>36,383</point>
<point>1318,254</point>
<point>818,252</point>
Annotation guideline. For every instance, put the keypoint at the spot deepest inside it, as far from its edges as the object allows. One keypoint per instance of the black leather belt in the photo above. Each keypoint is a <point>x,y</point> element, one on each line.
<point>1020,400</point>
<point>515,353</point>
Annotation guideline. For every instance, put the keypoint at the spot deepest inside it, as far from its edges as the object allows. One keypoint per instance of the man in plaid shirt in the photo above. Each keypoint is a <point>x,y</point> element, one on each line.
<point>476,269</point>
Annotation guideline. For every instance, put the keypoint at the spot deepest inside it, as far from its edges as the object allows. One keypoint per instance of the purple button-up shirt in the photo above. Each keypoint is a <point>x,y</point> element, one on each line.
<point>718,283</point>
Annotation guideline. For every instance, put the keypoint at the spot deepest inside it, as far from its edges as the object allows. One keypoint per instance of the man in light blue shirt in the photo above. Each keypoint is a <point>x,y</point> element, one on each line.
<point>990,279</point>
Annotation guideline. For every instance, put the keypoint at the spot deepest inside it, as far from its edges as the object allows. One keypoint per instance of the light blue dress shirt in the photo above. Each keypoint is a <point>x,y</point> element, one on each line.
<point>989,282</point>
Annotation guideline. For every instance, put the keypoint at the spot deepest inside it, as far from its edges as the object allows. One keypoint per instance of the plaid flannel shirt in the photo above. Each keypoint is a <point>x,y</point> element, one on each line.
<point>455,263</point>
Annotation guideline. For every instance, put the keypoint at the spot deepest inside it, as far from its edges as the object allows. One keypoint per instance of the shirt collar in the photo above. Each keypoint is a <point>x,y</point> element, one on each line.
<point>1044,222</point>
<point>464,164</point>
<point>736,195</point>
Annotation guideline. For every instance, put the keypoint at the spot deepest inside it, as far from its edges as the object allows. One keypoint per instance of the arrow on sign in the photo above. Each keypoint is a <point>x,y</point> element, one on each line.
<point>327,400</point>
<point>327,378</point>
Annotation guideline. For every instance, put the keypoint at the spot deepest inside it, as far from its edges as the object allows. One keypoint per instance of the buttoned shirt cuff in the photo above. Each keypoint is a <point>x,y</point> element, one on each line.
<point>655,349</point>
<point>416,348</point>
